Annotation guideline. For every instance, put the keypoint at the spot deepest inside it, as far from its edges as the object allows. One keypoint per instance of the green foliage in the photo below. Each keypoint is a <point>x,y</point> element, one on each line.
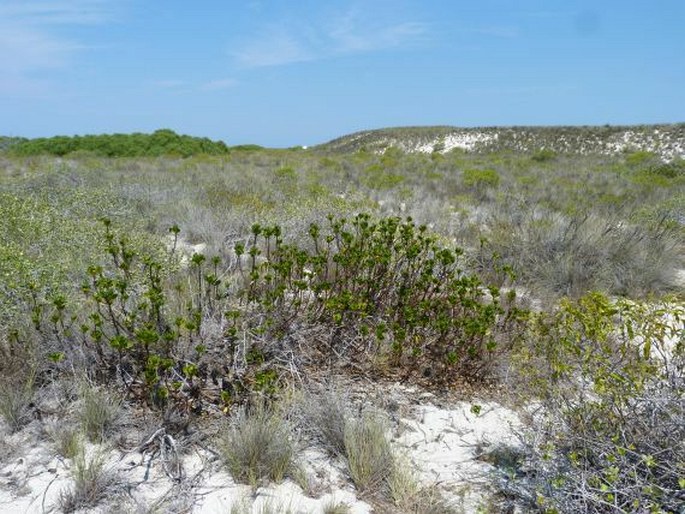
<point>671,170</point>
<point>480,180</point>
<point>387,285</point>
<point>610,375</point>
<point>246,148</point>
<point>161,142</point>
<point>8,142</point>
<point>378,177</point>
<point>125,330</point>
<point>639,158</point>
<point>543,155</point>
<point>49,233</point>
<point>391,295</point>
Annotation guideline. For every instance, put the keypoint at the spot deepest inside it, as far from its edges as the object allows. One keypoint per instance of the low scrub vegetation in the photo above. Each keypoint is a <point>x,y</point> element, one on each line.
<point>610,378</point>
<point>210,285</point>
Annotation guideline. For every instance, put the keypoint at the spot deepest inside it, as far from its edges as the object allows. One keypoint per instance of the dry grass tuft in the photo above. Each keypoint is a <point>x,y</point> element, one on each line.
<point>99,412</point>
<point>92,482</point>
<point>16,397</point>
<point>258,445</point>
<point>370,458</point>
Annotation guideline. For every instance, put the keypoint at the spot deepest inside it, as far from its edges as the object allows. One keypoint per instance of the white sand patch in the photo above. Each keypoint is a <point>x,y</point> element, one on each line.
<point>680,278</point>
<point>285,497</point>
<point>440,439</point>
<point>327,486</point>
<point>467,141</point>
<point>183,249</point>
<point>444,444</point>
<point>32,482</point>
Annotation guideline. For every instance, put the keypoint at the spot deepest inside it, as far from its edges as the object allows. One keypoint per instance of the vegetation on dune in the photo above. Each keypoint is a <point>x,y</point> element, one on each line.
<point>537,141</point>
<point>198,284</point>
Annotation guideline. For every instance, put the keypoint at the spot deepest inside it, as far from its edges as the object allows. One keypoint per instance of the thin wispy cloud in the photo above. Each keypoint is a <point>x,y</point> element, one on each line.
<point>355,32</point>
<point>275,47</point>
<point>57,12</point>
<point>30,41</point>
<point>505,32</point>
<point>186,86</point>
<point>523,90</point>
<point>349,33</point>
<point>218,84</point>
<point>169,83</point>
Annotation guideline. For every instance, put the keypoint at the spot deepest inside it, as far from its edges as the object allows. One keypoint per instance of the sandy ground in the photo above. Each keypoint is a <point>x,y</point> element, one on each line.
<point>442,442</point>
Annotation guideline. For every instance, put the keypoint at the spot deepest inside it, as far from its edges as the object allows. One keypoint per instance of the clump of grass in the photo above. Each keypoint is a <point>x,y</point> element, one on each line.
<point>15,399</point>
<point>92,482</point>
<point>571,254</point>
<point>382,475</point>
<point>257,446</point>
<point>375,467</point>
<point>336,508</point>
<point>268,507</point>
<point>369,455</point>
<point>325,417</point>
<point>98,413</point>
<point>67,440</point>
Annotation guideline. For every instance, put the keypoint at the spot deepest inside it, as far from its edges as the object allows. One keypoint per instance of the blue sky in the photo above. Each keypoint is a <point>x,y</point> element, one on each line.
<point>283,73</point>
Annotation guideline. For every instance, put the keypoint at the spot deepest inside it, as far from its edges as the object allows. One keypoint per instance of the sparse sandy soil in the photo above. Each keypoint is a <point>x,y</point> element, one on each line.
<point>441,439</point>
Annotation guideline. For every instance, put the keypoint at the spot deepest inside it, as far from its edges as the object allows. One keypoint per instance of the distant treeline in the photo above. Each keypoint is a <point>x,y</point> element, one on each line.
<point>161,142</point>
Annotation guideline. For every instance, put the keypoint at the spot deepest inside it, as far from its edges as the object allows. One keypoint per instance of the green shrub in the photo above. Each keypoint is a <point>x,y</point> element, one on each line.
<point>124,329</point>
<point>390,295</point>
<point>480,180</point>
<point>386,286</point>
<point>610,376</point>
<point>544,155</point>
<point>669,170</point>
<point>377,177</point>
<point>639,158</point>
